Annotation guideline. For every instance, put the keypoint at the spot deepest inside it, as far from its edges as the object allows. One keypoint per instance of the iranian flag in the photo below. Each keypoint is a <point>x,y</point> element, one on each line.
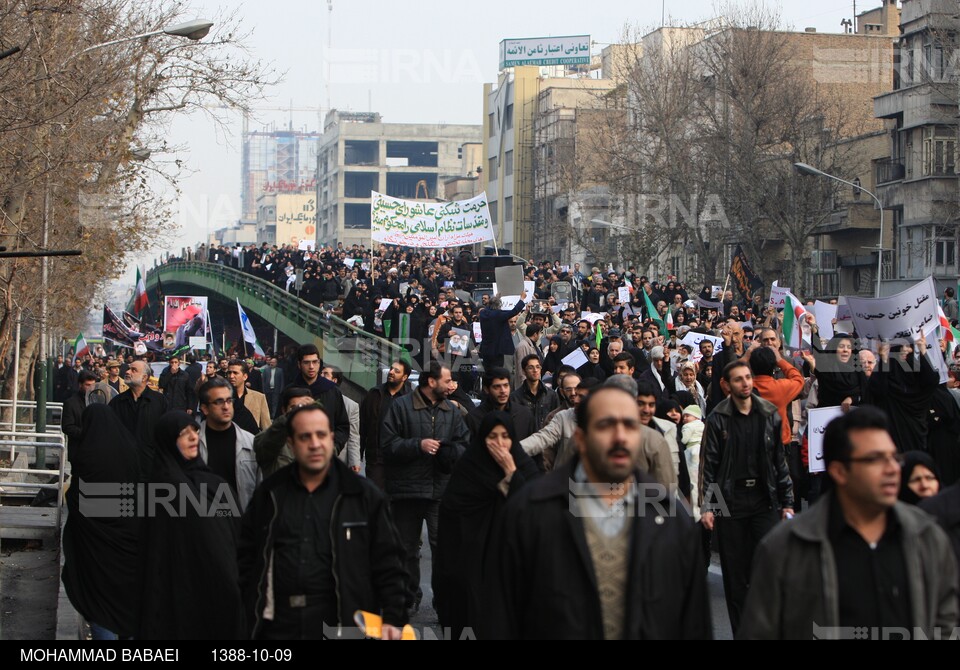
<point>80,347</point>
<point>670,319</point>
<point>795,328</point>
<point>948,332</point>
<point>652,312</point>
<point>141,302</point>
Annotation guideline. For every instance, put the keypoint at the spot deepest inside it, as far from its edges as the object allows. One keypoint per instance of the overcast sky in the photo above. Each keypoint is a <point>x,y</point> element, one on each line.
<point>417,62</point>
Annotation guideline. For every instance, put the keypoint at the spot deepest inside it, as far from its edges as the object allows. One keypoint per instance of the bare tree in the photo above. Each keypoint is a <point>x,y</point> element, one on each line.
<point>73,123</point>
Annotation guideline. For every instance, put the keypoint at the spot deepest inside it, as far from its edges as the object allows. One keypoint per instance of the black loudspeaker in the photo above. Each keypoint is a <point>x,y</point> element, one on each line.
<point>473,272</point>
<point>489,265</point>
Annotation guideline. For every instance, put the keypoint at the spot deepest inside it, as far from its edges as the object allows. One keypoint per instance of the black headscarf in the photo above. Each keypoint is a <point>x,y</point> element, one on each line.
<point>171,466</point>
<point>910,461</point>
<point>664,406</point>
<point>837,381</point>
<point>191,581</point>
<point>476,476</point>
<point>470,517</point>
<point>100,571</point>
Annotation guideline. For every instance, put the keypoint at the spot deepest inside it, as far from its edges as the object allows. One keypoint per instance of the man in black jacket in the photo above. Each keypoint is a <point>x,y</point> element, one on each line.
<point>373,410</point>
<point>533,395</point>
<point>64,381</point>
<point>624,560</point>
<point>73,408</point>
<point>745,485</point>
<point>422,438</point>
<point>496,387</point>
<point>318,544</point>
<point>139,409</point>
<point>175,385</point>
<point>496,339</point>
<point>324,391</point>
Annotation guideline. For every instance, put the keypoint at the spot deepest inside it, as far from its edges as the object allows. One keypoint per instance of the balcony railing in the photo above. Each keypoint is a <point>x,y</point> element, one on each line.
<point>889,170</point>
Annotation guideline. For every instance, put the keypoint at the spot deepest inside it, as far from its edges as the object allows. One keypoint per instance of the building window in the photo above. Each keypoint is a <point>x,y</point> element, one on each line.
<point>508,121</point>
<point>941,247</point>
<point>492,124</point>
<point>508,209</point>
<point>826,284</point>
<point>508,164</point>
<point>356,217</point>
<point>939,151</point>
<point>494,169</point>
<point>494,207</point>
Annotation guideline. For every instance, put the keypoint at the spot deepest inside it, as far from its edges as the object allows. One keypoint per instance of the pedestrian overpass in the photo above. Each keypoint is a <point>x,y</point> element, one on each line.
<point>360,355</point>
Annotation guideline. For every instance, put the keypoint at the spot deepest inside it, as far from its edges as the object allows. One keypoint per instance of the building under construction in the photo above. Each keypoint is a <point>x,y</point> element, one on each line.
<point>277,161</point>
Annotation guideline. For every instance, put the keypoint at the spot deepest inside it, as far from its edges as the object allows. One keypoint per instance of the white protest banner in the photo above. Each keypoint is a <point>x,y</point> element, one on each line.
<point>715,291</point>
<point>385,304</point>
<point>430,225</point>
<point>825,313</point>
<point>530,287</point>
<point>844,317</point>
<point>556,309</point>
<point>900,317</point>
<point>778,296</point>
<point>623,295</point>
<point>576,359</point>
<point>477,333</point>
<point>591,317</point>
<point>817,422</point>
<point>307,245</point>
<point>693,341</point>
<point>349,262</point>
<point>198,343</point>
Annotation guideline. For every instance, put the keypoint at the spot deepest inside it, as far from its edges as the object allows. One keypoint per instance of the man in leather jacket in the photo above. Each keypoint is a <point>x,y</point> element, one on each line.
<point>744,480</point>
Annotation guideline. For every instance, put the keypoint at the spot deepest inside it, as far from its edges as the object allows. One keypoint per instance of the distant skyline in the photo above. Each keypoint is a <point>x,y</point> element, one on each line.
<point>413,62</point>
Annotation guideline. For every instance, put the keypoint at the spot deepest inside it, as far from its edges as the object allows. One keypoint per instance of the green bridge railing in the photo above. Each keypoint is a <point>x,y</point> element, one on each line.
<point>360,355</point>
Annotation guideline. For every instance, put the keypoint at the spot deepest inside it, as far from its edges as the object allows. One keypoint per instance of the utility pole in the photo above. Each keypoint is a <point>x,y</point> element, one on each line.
<point>329,49</point>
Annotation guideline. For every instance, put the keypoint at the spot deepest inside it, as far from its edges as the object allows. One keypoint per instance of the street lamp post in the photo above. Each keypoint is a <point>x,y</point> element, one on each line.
<point>192,30</point>
<point>811,171</point>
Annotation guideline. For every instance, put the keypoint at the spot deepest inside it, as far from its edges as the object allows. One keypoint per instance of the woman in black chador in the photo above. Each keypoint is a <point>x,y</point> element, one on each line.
<point>190,579</point>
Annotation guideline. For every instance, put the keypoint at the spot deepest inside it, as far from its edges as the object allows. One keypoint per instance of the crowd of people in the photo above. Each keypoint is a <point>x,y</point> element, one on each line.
<point>575,463</point>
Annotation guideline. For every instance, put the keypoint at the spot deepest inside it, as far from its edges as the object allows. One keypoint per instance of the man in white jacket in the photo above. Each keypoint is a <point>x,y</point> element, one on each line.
<point>557,437</point>
<point>225,447</point>
<point>350,455</point>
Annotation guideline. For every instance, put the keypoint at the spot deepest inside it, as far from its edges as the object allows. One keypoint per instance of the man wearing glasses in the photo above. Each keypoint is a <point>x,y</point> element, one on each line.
<point>858,564</point>
<point>225,447</point>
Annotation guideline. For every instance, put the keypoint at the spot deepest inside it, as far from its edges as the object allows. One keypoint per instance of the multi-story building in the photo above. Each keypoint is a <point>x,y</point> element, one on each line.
<point>282,161</point>
<point>918,179</point>
<point>569,189</point>
<point>359,154</point>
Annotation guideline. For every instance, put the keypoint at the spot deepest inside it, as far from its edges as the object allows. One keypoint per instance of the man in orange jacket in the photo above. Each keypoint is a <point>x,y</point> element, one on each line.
<point>781,392</point>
